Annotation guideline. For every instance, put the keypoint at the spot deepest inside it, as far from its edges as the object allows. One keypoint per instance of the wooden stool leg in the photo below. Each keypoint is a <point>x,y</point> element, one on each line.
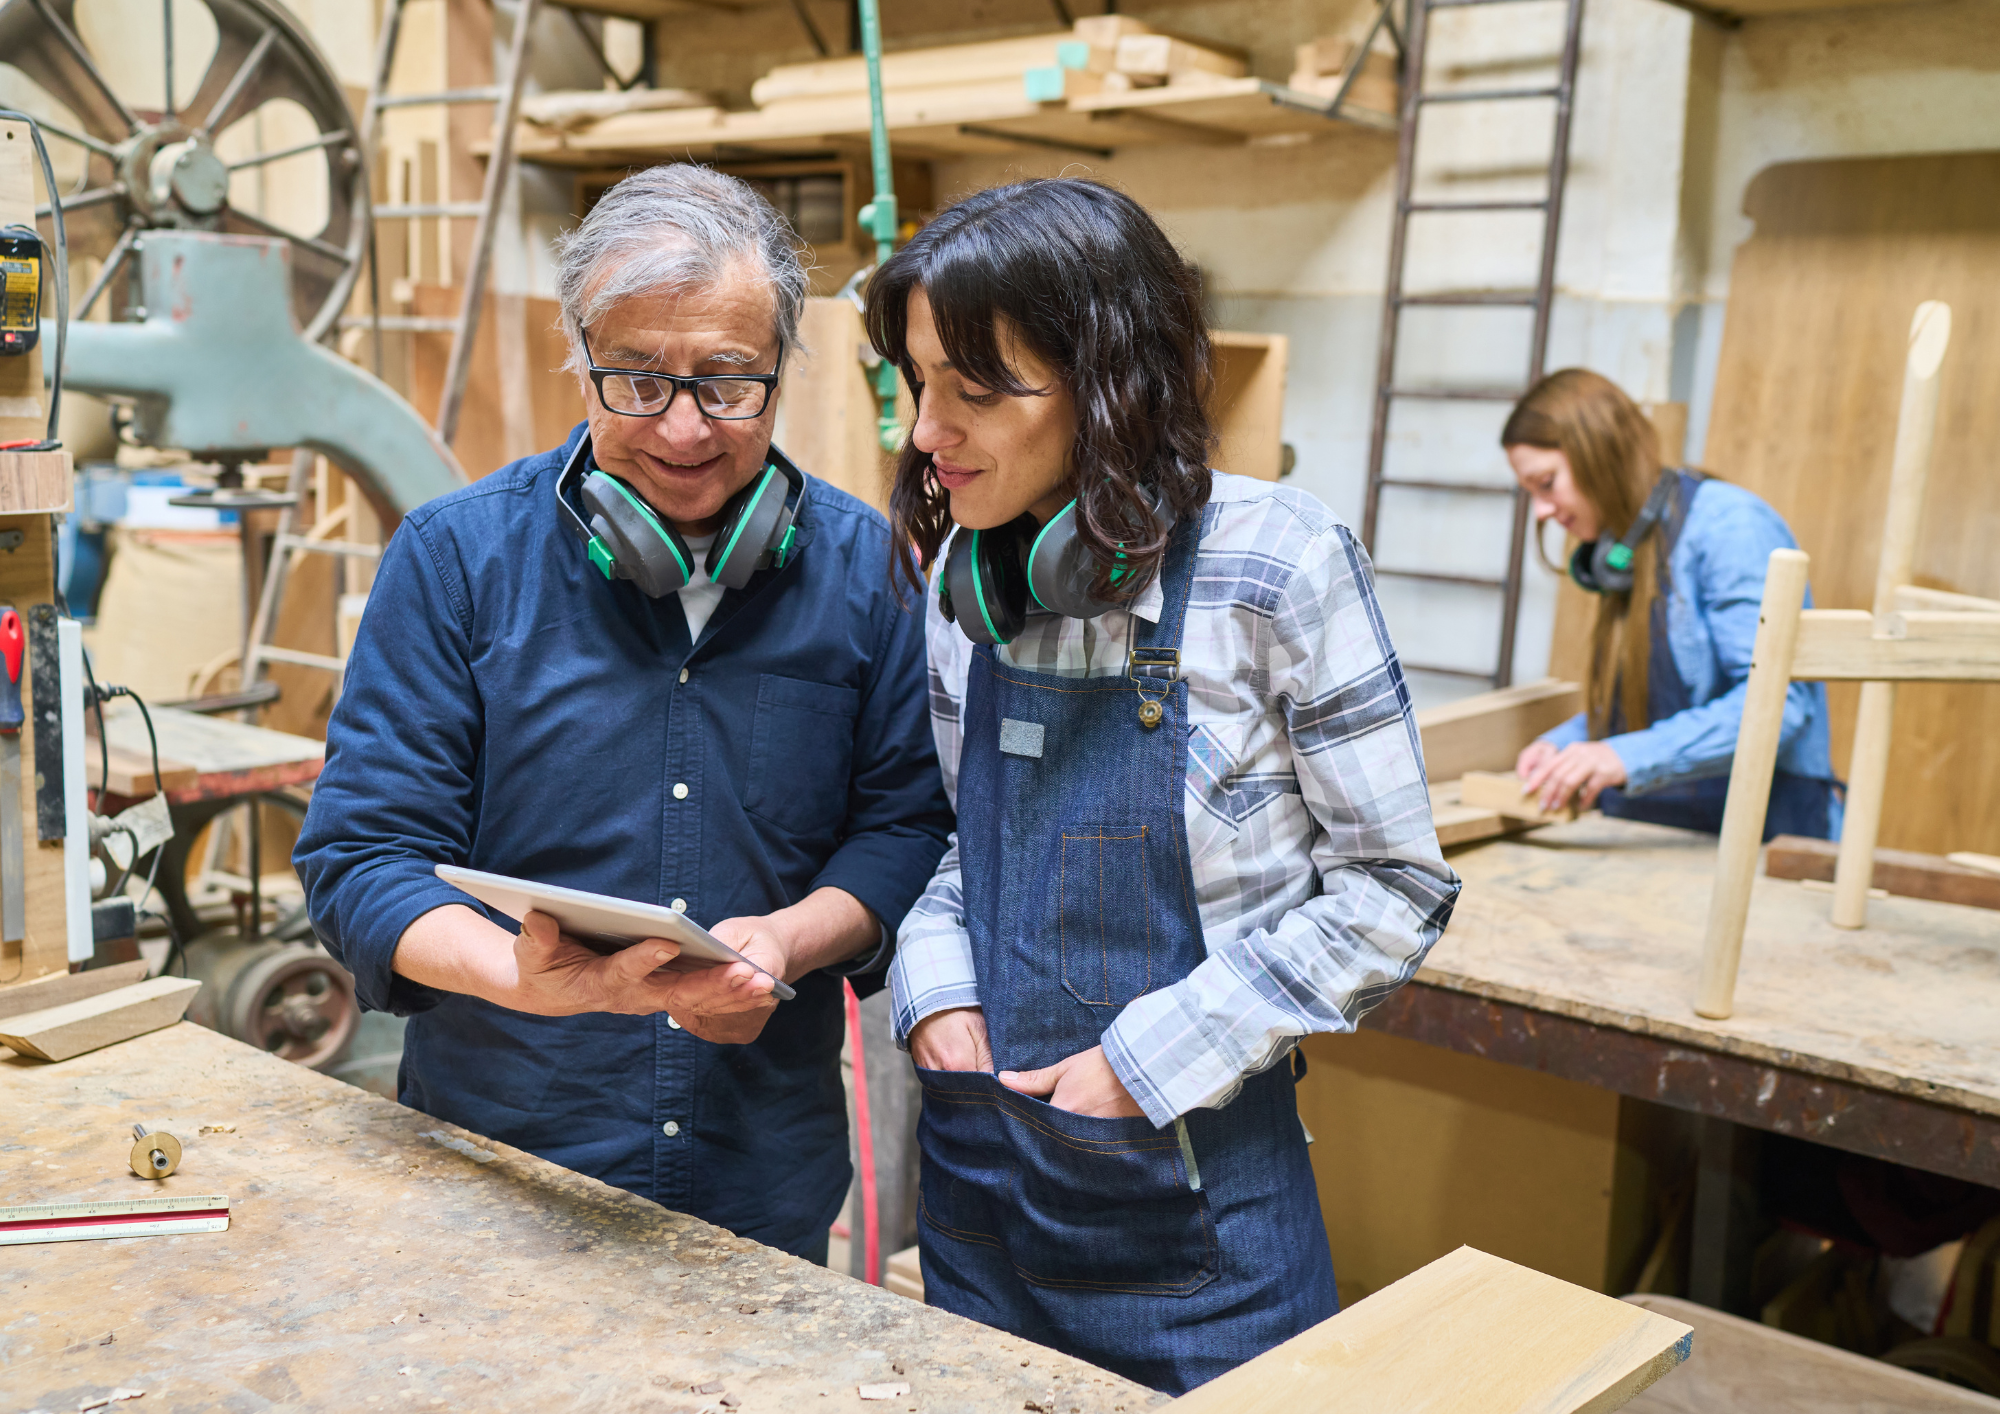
<point>1750,779</point>
<point>1867,779</point>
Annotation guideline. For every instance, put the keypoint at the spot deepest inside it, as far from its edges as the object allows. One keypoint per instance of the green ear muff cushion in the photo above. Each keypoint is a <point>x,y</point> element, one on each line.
<point>641,547</point>
<point>747,536</point>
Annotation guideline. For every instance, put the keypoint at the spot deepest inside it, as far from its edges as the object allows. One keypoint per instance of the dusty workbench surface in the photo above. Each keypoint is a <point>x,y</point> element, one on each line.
<point>1602,920</point>
<point>377,1258</point>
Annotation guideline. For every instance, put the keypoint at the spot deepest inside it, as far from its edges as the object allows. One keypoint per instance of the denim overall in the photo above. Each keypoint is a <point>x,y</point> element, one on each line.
<point>1168,1255</point>
<point>1800,805</point>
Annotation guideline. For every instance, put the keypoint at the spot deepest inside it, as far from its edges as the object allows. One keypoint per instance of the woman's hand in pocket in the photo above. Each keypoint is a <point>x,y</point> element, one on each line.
<point>952,1040</point>
<point>1084,1084</point>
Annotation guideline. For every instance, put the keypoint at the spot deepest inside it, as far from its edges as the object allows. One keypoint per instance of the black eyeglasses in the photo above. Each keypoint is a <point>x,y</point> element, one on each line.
<point>725,397</point>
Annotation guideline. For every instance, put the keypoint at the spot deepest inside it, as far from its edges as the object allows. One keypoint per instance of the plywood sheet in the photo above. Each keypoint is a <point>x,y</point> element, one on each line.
<point>1806,396</point>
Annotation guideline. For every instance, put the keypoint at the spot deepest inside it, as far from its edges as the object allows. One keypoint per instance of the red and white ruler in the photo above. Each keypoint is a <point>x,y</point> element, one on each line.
<point>129,1217</point>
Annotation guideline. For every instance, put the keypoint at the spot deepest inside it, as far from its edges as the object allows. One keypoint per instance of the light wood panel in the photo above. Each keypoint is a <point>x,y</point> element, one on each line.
<point>1805,415</point>
<point>27,578</point>
<point>519,398</point>
<point>1469,1332</point>
<point>59,1032</point>
<point>1486,732</point>
<point>1248,405</point>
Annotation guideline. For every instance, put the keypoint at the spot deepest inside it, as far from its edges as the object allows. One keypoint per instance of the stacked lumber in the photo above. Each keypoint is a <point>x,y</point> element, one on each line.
<point>1323,64</point>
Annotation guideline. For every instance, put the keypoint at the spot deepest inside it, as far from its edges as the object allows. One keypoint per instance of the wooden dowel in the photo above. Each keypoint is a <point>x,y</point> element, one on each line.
<point>1868,767</point>
<point>1750,779</point>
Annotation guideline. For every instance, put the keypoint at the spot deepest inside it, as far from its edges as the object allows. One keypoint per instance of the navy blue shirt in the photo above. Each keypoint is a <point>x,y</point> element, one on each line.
<point>508,708</point>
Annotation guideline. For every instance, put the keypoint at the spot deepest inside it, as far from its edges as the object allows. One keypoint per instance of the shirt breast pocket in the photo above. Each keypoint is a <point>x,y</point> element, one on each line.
<point>801,752</point>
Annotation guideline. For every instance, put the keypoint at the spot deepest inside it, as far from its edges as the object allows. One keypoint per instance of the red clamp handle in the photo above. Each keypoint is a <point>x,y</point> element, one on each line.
<point>13,649</point>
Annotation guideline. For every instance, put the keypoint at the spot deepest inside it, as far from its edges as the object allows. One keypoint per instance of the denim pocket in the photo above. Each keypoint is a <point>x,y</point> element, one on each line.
<point>1070,1201</point>
<point>1104,918</point>
<point>801,753</point>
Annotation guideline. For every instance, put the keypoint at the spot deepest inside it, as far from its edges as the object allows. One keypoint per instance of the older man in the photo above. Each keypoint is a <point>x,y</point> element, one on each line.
<point>658,663</point>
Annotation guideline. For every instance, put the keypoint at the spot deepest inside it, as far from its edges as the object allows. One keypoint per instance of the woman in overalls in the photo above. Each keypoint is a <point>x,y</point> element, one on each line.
<point>1677,560</point>
<point>1192,819</point>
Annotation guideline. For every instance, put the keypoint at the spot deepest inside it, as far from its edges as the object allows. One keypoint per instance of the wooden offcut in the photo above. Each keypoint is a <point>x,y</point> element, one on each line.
<point>1501,791</point>
<point>1248,404</point>
<point>60,1032</point>
<point>1467,1333</point>
<point>61,988</point>
<point>1487,731</point>
<point>1896,871</point>
<point>33,483</point>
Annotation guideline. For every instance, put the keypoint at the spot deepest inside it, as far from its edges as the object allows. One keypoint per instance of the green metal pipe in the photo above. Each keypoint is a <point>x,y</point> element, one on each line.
<point>878,217</point>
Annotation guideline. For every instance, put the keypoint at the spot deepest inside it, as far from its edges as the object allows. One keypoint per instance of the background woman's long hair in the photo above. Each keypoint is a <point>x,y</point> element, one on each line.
<point>1614,457</point>
<point>1082,278</point>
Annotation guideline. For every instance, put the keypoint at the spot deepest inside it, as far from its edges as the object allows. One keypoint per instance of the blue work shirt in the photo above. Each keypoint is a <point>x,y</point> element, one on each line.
<point>508,708</point>
<point>1717,569</point>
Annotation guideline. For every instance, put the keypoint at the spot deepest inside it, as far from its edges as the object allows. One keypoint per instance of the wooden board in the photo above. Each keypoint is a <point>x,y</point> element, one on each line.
<point>32,482</point>
<point>1248,404</point>
<point>377,1257</point>
<point>1487,731</point>
<point>1602,920</point>
<point>131,771</point>
<point>27,578</point>
<point>63,987</point>
<point>1467,1333</point>
<point>1501,791</point>
<point>520,399</point>
<point>1741,1367</point>
<point>1805,415</point>
<point>1897,871</point>
<point>1459,823</point>
<point>58,1033</point>
<point>827,409</point>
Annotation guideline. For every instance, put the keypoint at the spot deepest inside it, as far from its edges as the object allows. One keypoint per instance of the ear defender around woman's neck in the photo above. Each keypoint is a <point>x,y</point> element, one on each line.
<point>1604,565</point>
<point>992,577</point>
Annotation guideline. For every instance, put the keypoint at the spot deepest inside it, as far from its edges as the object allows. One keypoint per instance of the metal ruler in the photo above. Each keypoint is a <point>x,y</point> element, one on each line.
<point>129,1217</point>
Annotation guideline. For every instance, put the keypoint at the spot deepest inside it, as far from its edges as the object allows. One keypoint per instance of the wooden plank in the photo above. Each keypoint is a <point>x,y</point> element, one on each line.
<point>1467,1333</point>
<point>1501,791</point>
<point>1910,596</point>
<point>1743,1367</point>
<point>941,66</point>
<point>64,987</point>
<point>1986,863</point>
<point>24,408</point>
<point>828,411</point>
<point>1486,732</point>
<point>59,1032</point>
<point>132,771</point>
<point>1805,413</point>
<point>1911,645</point>
<point>1898,871</point>
<point>35,482</point>
<point>1161,56</point>
<point>379,1258</point>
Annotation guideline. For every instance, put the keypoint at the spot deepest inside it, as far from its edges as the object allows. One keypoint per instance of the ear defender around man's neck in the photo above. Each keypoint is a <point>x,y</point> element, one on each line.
<point>1604,565</point>
<point>625,538</point>
<point>991,577</point>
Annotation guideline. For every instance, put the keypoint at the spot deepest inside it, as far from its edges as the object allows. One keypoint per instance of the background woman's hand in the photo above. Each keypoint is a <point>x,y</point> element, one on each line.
<point>1534,756</point>
<point>1584,769</point>
<point>952,1040</point>
<point>1083,1084</point>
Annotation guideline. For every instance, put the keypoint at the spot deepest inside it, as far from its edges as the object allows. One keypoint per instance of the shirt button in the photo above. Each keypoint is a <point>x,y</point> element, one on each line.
<point>680,790</point>
<point>680,905</point>
<point>673,1023</point>
<point>670,1129</point>
<point>684,674</point>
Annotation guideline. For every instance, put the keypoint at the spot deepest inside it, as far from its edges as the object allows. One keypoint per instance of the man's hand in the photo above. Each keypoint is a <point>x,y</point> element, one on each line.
<point>730,1002</point>
<point>1083,1084</point>
<point>1583,769</point>
<point>952,1040</point>
<point>558,976</point>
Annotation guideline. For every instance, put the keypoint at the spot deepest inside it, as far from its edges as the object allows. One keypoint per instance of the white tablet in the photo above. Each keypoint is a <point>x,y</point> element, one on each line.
<point>600,922</point>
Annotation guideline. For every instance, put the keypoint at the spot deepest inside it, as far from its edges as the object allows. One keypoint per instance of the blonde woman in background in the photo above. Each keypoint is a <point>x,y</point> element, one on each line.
<point>1676,560</point>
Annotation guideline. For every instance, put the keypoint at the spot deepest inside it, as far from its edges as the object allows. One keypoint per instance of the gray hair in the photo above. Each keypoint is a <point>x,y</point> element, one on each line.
<point>674,227</point>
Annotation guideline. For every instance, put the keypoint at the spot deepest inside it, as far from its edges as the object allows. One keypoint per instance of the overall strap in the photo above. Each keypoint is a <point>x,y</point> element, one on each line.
<point>1176,583</point>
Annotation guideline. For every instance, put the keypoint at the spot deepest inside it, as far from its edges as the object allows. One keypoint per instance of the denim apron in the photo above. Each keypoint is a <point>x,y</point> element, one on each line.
<point>1800,805</point>
<point>1167,1255</point>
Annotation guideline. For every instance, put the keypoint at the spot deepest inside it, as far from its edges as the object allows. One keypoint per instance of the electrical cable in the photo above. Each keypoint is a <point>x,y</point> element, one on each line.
<point>98,696</point>
<point>61,262</point>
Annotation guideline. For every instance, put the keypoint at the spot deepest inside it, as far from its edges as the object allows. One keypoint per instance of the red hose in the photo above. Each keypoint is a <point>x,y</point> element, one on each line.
<point>865,1140</point>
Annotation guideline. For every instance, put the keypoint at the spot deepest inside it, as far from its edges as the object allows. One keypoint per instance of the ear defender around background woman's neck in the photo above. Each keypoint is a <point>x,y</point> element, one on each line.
<point>1604,565</point>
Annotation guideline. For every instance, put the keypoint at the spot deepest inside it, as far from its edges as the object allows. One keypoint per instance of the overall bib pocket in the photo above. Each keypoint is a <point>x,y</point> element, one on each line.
<point>1073,1201</point>
<point>1104,912</point>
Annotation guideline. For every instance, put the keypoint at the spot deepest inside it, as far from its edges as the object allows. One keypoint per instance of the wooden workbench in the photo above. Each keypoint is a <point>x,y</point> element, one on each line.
<point>1574,951</point>
<point>377,1258</point>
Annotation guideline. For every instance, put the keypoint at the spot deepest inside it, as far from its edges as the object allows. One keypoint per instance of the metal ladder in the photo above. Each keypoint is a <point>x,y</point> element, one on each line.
<point>506,91</point>
<point>1388,393</point>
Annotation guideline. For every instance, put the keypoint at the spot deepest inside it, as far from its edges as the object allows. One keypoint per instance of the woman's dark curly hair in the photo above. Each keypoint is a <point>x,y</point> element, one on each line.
<point>1086,281</point>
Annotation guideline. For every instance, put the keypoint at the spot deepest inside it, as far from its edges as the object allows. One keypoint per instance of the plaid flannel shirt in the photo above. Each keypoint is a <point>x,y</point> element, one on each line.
<point>1317,871</point>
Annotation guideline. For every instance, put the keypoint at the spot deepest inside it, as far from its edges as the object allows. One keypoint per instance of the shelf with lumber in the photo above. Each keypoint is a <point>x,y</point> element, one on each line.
<point>1109,83</point>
